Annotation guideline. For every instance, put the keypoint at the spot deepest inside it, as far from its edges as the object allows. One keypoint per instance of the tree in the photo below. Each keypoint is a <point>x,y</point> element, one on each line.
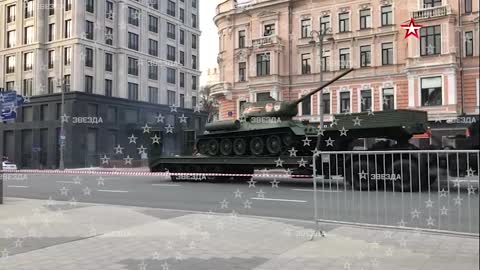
<point>207,103</point>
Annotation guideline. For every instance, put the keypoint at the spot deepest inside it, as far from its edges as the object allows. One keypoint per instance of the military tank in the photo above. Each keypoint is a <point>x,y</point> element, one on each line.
<point>265,129</point>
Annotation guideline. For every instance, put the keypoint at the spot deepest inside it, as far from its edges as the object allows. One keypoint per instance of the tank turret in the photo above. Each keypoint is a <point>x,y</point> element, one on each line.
<point>285,110</point>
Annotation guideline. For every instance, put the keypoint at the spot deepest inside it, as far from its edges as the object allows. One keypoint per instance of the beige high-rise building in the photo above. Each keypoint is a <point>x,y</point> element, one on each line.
<point>266,49</point>
<point>145,50</point>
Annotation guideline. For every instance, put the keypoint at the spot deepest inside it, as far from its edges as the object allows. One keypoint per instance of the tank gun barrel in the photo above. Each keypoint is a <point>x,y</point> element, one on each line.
<point>295,103</point>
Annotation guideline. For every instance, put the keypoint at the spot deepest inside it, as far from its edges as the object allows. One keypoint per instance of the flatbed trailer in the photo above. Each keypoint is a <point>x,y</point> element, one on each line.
<point>221,168</point>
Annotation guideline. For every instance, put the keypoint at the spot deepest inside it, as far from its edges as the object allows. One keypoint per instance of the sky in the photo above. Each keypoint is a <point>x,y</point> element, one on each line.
<point>209,37</point>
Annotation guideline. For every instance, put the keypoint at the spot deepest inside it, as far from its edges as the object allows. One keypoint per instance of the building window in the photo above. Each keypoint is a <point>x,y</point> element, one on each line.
<point>307,107</point>
<point>66,81</point>
<point>194,3</point>
<point>171,53</point>
<point>365,54</point>
<point>325,24</point>
<point>11,39</point>
<point>88,57</point>
<point>182,79</point>
<point>51,59</point>
<point>241,39</point>
<point>11,13</point>
<point>68,5</point>
<point>182,37</point>
<point>366,100</point>
<point>132,66</point>
<point>108,62</point>
<point>171,7</point>
<point>10,86</point>
<point>133,16</point>
<point>28,38</point>
<point>89,30</point>
<point>468,6</point>
<point>51,32</point>
<point>171,98</point>
<point>325,65</point>
<point>108,35</point>
<point>268,30</point>
<point>153,24</point>
<point>344,58</point>
<point>306,68</point>
<point>90,6</point>
<point>264,96</point>
<point>152,71</point>
<point>153,95</point>
<point>10,63</point>
<point>171,30</point>
<point>132,91</point>
<point>182,101</point>
<point>51,7</point>
<point>387,15</point>
<point>28,87</point>
<point>194,21</point>
<point>242,71</point>
<point>387,53</point>
<point>306,28</point>
<point>67,56</point>
<point>109,10</point>
<point>431,3</point>
<point>28,61</point>
<point>194,41</point>
<point>194,83</point>
<point>50,85</point>
<point>108,88</point>
<point>194,62</point>
<point>194,102</point>
<point>88,84</point>
<point>388,99</point>
<point>29,7</point>
<point>263,64</point>
<point>343,22</point>
<point>430,40</point>
<point>182,15</point>
<point>153,4</point>
<point>365,19</point>
<point>68,28</point>
<point>182,58</point>
<point>344,102</point>
<point>431,91</point>
<point>132,41</point>
<point>326,103</point>
<point>469,43</point>
<point>171,76</point>
<point>152,47</point>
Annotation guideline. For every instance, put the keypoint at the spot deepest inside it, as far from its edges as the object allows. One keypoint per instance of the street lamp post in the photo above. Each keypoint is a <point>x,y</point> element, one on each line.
<point>61,86</point>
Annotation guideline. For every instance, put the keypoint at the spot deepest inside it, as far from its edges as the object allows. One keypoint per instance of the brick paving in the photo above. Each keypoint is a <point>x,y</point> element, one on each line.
<point>37,235</point>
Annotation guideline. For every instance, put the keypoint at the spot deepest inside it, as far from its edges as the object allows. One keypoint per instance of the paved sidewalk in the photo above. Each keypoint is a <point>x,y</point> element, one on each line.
<point>57,235</point>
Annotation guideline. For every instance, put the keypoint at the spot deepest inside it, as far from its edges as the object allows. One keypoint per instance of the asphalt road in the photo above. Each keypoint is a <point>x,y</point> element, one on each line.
<point>452,209</point>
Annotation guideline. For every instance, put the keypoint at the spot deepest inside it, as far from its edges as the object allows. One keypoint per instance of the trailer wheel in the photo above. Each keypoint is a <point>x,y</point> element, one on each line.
<point>256,146</point>
<point>202,147</point>
<point>287,139</point>
<point>274,144</point>
<point>213,147</point>
<point>239,147</point>
<point>401,178</point>
<point>360,180</point>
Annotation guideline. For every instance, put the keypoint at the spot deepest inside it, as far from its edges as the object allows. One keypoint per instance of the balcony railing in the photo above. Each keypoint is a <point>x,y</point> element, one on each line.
<point>431,12</point>
<point>263,41</point>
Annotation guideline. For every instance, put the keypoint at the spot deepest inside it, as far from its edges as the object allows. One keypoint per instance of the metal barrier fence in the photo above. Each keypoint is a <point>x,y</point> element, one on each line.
<point>432,190</point>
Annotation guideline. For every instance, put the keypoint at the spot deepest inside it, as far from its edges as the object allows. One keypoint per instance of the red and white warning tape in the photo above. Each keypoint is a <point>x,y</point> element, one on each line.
<point>144,173</point>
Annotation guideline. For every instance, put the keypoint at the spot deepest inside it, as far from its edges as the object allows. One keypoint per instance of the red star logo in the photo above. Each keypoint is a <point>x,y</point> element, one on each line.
<point>411,28</point>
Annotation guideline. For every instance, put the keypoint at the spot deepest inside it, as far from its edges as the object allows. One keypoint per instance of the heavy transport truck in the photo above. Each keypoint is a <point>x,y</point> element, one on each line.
<point>267,137</point>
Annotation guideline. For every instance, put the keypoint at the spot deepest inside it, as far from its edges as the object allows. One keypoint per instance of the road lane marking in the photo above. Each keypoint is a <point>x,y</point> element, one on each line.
<point>318,190</point>
<point>18,186</point>
<point>112,191</point>
<point>66,182</point>
<point>166,185</point>
<point>278,200</point>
